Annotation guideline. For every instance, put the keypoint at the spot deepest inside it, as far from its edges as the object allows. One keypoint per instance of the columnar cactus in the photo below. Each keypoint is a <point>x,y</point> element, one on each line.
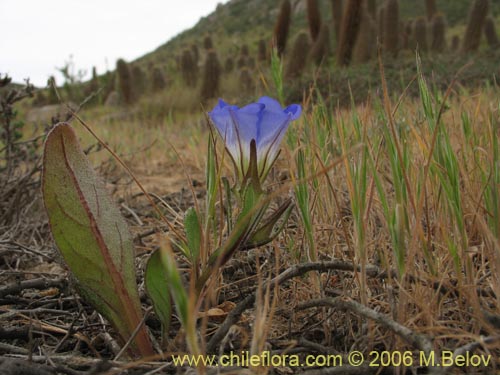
<point>211,75</point>
<point>477,17</point>
<point>337,8</point>
<point>371,7</point>
<point>381,25</point>
<point>391,27</point>
<point>364,47</point>
<point>321,46</point>
<point>158,81</point>
<point>455,43</point>
<point>431,9</point>
<point>188,68</point>
<point>490,33</point>
<point>251,62</point>
<point>94,81</point>
<point>52,94</point>
<point>262,51</point>
<point>243,57</point>
<point>349,31</point>
<point>409,37</point>
<point>438,33</point>
<point>229,65</point>
<point>108,83</point>
<point>139,80</point>
<point>297,59</point>
<point>246,80</point>
<point>314,18</point>
<point>241,62</point>
<point>420,34</point>
<point>207,43</point>
<point>125,84</point>
<point>282,26</point>
<point>244,51</point>
<point>195,53</point>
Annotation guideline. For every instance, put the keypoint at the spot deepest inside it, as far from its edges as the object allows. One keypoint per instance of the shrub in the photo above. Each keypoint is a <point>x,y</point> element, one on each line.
<point>282,26</point>
<point>20,163</point>
<point>477,17</point>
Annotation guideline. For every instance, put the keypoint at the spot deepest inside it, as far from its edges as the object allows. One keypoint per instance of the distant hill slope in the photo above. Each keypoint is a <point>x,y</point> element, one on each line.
<point>247,21</point>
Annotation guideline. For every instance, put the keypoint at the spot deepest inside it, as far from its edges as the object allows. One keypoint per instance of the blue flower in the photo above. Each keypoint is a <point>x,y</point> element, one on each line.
<point>265,122</point>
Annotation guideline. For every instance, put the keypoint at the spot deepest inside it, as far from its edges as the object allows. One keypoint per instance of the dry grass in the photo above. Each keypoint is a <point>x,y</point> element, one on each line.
<point>404,193</point>
<point>447,283</point>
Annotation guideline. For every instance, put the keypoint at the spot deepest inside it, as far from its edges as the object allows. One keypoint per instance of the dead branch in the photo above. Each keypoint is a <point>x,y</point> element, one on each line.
<point>41,283</point>
<point>418,341</point>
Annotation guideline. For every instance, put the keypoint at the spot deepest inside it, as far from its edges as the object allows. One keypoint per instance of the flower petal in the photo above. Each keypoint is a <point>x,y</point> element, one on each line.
<point>271,104</point>
<point>265,122</point>
<point>295,110</point>
<point>271,125</point>
<point>224,122</point>
<point>247,120</point>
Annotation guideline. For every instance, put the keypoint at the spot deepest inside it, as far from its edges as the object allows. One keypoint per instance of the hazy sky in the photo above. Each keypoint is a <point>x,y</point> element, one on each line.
<point>36,36</point>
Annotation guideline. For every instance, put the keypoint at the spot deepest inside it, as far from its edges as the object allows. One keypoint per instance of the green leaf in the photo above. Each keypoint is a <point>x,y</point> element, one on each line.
<point>174,280</point>
<point>211,177</point>
<point>155,279</point>
<point>91,235</point>
<point>228,203</point>
<point>193,233</point>
<point>269,230</point>
<point>252,211</point>
<point>302,195</point>
<point>184,306</point>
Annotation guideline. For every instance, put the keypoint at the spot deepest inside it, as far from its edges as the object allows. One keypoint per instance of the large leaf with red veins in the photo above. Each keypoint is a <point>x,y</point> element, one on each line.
<point>92,235</point>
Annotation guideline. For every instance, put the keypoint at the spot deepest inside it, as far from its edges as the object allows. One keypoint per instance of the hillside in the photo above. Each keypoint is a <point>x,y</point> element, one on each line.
<point>238,27</point>
<point>248,21</point>
<point>240,23</point>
